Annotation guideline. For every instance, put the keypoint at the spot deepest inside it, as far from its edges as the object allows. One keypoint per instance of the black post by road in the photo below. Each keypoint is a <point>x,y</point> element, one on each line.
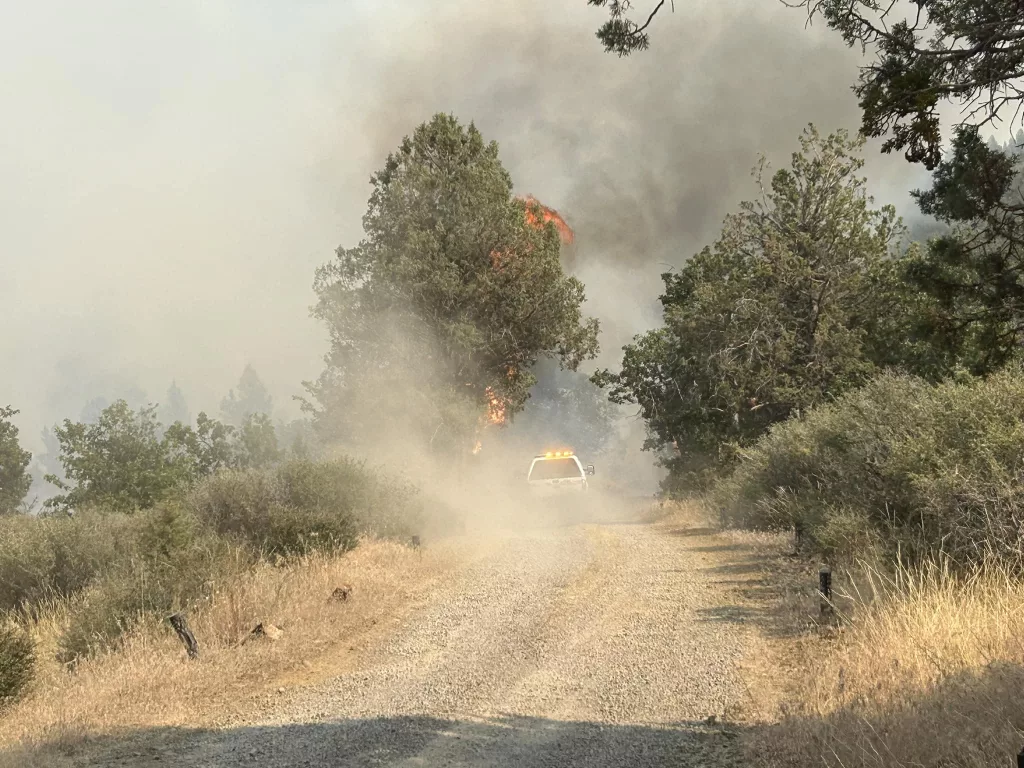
<point>1020,759</point>
<point>181,627</point>
<point>825,591</point>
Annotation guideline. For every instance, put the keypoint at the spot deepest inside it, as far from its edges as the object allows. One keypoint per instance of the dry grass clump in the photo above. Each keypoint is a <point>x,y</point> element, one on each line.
<point>928,674</point>
<point>149,682</point>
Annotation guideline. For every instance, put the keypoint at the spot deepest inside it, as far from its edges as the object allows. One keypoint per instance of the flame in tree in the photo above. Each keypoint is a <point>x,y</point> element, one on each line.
<point>537,215</point>
<point>495,415</point>
<point>495,408</point>
<point>546,215</point>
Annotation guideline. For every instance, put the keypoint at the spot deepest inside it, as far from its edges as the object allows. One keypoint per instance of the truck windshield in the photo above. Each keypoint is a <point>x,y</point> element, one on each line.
<point>555,469</point>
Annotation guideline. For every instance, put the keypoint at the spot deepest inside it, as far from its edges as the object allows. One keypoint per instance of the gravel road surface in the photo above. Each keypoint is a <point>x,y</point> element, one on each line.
<point>586,644</point>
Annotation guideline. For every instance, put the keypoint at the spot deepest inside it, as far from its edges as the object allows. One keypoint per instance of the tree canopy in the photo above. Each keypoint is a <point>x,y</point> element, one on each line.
<point>438,315</point>
<point>118,462</point>
<point>779,314</point>
<point>126,461</point>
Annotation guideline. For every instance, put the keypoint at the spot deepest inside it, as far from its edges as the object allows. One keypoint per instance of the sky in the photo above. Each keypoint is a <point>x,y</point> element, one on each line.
<point>172,172</point>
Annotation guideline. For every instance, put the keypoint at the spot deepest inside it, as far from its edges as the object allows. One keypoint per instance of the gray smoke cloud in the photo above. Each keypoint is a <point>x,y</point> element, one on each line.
<point>173,173</point>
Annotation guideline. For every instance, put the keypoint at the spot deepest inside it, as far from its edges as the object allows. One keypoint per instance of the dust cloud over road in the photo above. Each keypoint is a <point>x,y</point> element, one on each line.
<point>593,641</point>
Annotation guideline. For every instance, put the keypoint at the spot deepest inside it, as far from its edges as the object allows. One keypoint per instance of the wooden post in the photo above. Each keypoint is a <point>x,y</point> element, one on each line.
<point>181,627</point>
<point>825,590</point>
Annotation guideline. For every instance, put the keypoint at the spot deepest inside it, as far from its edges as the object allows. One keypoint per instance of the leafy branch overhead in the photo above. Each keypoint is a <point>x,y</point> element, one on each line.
<point>924,53</point>
<point>620,34</point>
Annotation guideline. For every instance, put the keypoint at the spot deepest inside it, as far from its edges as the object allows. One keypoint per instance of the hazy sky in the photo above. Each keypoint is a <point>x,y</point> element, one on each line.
<point>171,172</point>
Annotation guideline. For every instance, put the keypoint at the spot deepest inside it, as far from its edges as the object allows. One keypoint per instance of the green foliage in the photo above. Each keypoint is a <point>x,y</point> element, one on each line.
<point>620,34</point>
<point>17,663</point>
<point>252,398</point>
<point>927,53</point>
<point>451,294</point>
<point>207,448</point>
<point>257,442</point>
<point>785,311</point>
<point>117,569</point>
<point>123,463</point>
<point>900,467</point>
<point>963,51</point>
<point>974,274</point>
<point>118,463</point>
<point>14,479</point>
<point>174,562</point>
<point>43,558</point>
<point>302,506</point>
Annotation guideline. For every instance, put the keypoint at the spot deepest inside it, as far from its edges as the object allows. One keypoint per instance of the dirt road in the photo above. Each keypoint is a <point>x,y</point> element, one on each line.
<point>594,644</point>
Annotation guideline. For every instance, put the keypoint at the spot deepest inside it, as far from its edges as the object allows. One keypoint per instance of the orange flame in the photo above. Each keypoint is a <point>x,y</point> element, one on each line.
<point>495,408</point>
<point>534,206</point>
<point>477,448</point>
<point>546,215</point>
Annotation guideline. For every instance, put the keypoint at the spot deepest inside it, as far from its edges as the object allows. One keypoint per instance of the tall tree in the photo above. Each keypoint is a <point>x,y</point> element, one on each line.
<point>437,316</point>
<point>174,408</point>
<point>14,479</point>
<point>777,316</point>
<point>252,398</point>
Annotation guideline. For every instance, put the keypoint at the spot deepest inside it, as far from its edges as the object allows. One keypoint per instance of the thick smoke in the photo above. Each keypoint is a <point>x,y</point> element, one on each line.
<point>174,173</point>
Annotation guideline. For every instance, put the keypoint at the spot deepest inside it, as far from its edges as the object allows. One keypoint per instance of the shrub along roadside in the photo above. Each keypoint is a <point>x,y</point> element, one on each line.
<point>898,469</point>
<point>119,569</point>
<point>17,663</point>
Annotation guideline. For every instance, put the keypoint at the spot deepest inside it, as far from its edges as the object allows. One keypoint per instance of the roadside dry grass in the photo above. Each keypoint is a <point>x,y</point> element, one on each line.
<point>915,669</point>
<point>150,682</point>
<point>925,671</point>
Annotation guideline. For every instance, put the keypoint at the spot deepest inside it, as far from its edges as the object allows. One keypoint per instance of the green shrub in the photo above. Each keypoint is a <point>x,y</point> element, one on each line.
<point>177,561</point>
<point>117,569</point>
<point>898,467</point>
<point>302,506</point>
<point>99,619</point>
<point>17,663</point>
<point>48,557</point>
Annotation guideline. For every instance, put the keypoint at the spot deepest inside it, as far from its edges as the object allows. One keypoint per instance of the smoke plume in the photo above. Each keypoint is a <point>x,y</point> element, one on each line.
<point>173,173</point>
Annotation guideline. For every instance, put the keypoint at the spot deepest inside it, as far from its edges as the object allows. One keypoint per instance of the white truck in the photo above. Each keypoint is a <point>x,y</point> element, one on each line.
<point>557,471</point>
